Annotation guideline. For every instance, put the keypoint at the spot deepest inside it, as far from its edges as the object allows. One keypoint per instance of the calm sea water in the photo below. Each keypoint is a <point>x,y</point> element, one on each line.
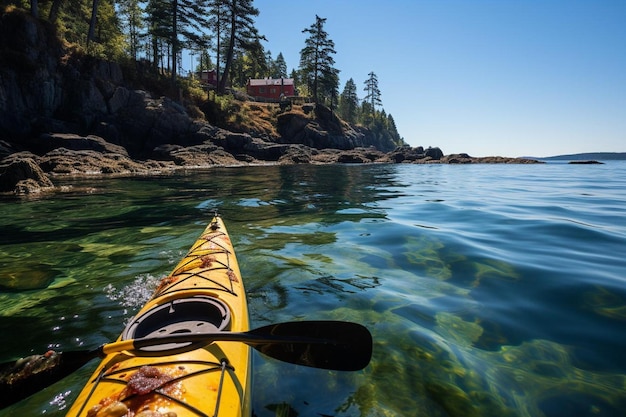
<point>490,290</point>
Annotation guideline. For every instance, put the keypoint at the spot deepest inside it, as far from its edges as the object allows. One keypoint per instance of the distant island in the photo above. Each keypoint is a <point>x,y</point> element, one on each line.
<point>598,156</point>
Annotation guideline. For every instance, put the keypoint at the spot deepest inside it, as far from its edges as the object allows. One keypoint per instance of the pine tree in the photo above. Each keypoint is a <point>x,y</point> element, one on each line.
<point>104,37</point>
<point>393,130</point>
<point>280,67</point>
<point>243,34</point>
<point>218,22</point>
<point>176,23</point>
<point>189,20</point>
<point>366,113</point>
<point>316,63</point>
<point>349,102</point>
<point>204,61</point>
<point>295,75</point>
<point>133,22</point>
<point>249,64</point>
<point>373,93</point>
<point>329,88</point>
<point>270,64</point>
<point>158,19</point>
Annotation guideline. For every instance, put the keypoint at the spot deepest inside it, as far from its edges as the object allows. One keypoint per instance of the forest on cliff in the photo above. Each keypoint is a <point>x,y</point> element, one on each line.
<point>152,35</point>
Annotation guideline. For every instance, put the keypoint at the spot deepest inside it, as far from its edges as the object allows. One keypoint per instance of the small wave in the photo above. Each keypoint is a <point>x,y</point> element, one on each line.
<point>135,294</point>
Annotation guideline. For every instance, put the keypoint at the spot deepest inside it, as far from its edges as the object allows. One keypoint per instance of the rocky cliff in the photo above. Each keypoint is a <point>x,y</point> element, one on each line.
<point>63,112</point>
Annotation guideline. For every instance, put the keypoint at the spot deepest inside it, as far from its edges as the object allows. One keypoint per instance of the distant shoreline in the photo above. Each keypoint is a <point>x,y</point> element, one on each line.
<point>598,156</point>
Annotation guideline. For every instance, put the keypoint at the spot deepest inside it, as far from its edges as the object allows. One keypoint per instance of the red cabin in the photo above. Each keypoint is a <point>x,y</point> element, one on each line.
<point>271,89</point>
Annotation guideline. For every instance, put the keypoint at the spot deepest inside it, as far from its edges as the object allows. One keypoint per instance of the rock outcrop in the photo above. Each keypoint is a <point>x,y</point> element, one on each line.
<point>66,113</point>
<point>45,88</point>
<point>318,127</point>
<point>21,173</point>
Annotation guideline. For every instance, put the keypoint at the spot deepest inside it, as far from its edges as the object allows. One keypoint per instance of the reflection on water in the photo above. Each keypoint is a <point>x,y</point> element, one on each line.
<point>490,291</point>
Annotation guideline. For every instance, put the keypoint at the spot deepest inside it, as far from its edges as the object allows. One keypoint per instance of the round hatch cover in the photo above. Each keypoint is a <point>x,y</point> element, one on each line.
<point>198,314</point>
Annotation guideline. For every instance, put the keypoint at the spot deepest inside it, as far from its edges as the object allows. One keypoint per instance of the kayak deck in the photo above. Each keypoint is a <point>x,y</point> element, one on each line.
<point>203,294</point>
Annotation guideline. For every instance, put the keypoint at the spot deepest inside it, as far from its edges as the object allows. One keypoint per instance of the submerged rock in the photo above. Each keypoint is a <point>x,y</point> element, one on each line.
<point>31,277</point>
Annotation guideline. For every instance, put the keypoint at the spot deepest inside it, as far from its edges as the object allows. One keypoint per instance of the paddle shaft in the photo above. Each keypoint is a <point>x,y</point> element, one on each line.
<point>334,345</point>
<point>248,338</point>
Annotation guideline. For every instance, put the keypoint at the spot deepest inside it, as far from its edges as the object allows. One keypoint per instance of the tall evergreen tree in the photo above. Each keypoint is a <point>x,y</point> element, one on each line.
<point>218,22</point>
<point>329,87</point>
<point>178,23</point>
<point>249,64</point>
<point>317,63</point>
<point>295,75</point>
<point>189,21</point>
<point>243,34</point>
<point>108,32</point>
<point>280,67</point>
<point>373,93</point>
<point>204,61</point>
<point>95,25</point>
<point>269,64</point>
<point>132,20</point>
<point>349,102</point>
<point>393,130</point>
<point>158,19</point>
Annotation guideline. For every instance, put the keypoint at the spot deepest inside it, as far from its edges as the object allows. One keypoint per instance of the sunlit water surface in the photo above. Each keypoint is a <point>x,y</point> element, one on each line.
<point>490,290</point>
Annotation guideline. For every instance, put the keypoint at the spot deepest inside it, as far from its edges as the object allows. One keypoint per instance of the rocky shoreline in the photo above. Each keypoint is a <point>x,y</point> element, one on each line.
<point>63,113</point>
<point>25,172</point>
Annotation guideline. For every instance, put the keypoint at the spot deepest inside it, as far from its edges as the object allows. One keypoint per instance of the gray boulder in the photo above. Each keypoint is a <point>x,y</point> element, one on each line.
<point>434,153</point>
<point>50,141</point>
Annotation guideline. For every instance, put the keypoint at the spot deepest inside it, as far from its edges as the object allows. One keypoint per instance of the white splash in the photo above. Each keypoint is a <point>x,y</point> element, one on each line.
<point>135,294</point>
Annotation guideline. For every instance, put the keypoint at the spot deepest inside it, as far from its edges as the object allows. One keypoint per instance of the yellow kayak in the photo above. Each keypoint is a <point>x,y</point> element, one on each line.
<point>187,351</point>
<point>203,294</point>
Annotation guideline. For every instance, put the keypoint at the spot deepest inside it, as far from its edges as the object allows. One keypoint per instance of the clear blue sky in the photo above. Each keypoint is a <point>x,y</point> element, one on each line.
<point>486,77</point>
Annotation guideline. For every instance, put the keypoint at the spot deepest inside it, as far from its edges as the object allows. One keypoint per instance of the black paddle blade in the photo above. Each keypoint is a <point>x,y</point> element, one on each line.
<point>335,345</point>
<point>24,377</point>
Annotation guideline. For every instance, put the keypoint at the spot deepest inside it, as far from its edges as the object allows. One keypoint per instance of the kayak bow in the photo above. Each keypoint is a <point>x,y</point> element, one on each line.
<point>204,294</point>
<point>187,351</point>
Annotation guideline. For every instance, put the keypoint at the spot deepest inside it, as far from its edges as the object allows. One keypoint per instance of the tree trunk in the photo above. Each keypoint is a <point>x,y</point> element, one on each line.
<point>174,40</point>
<point>92,22</point>
<point>219,38</point>
<point>231,49</point>
<point>155,54</point>
<point>54,11</point>
<point>34,8</point>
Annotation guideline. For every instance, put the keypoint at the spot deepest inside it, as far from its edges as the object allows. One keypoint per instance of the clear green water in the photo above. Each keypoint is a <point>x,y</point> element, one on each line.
<point>489,290</point>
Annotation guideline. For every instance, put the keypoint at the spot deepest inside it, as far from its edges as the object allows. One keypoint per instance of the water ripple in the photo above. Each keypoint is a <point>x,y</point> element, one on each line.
<point>489,290</point>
